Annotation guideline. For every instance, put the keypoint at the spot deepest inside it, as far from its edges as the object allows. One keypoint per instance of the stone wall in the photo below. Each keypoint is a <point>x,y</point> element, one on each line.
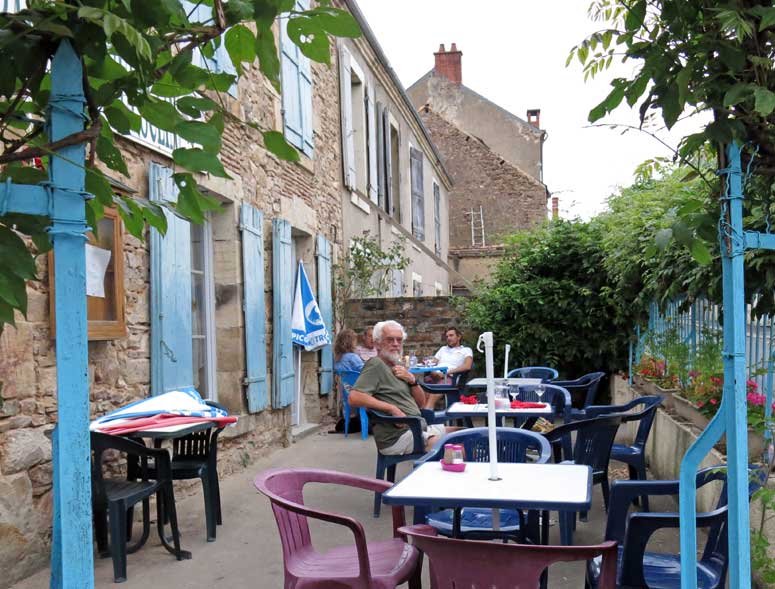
<point>510,198</point>
<point>306,193</point>
<point>425,319</point>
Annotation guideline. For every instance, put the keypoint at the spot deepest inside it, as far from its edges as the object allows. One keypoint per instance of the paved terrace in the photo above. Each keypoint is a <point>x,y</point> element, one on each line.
<point>247,552</point>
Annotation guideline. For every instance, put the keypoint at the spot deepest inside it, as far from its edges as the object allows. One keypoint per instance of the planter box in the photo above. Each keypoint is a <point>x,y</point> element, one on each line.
<point>686,409</point>
<point>648,387</point>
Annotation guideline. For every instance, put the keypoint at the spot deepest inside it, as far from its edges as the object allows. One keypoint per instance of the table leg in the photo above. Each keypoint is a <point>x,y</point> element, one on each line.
<point>160,516</point>
<point>456,515</point>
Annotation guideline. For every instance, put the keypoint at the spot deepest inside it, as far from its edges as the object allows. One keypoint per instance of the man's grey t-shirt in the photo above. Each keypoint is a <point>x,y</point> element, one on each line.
<point>378,380</point>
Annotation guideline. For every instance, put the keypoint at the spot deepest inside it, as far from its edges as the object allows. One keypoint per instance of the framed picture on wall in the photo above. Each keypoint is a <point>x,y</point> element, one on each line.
<point>105,280</point>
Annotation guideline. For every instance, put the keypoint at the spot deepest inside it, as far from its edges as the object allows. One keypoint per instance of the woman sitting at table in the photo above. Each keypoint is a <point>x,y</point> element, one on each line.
<point>345,357</point>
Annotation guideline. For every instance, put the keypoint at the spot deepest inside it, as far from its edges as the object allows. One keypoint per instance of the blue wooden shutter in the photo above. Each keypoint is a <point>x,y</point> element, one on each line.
<point>171,339</point>
<point>305,98</point>
<point>282,299</point>
<point>346,99</point>
<point>326,304</point>
<point>290,58</point>
<point>371,146</point>
<point>252,225</point>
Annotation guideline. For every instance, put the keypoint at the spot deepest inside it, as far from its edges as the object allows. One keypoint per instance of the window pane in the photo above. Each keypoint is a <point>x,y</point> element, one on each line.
<point>197,305</point>
<point>197,246</point>
<point>200,366</point>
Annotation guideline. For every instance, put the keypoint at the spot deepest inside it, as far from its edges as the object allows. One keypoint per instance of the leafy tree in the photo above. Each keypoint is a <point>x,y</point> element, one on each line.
<point>551,298</point>
<point>692,57</point>
<point>365,271</point>
<point>139,63</point>
<point>648,235</point>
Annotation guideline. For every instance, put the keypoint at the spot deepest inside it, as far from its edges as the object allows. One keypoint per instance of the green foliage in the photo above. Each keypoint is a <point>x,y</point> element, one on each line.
<point>138,57</point>
<point>650,235</point>
<point>552,299</point>
<point>366,271</point>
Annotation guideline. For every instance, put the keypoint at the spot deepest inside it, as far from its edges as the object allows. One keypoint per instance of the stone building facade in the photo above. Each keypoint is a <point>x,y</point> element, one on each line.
<point>305,196</point>
<point>395,186</point>
<point>496,159</point>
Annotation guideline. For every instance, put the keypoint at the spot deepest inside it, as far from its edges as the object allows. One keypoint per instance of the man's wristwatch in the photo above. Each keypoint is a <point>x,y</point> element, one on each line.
<point>413,384</point>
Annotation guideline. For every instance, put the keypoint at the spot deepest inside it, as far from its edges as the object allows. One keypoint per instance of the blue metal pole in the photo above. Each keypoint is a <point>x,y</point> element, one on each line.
<point>732,415</point>
<point>71,559</point>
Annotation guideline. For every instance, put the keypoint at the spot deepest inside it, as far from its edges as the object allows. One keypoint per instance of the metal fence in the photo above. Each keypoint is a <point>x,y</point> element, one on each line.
<point>703,319</point>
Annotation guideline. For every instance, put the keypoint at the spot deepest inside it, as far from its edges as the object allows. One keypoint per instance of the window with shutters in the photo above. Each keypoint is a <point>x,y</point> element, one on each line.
<point>437,217</point>
<point>203,309</point>
<point>296,78</point>
<point>416,285</point>
<point>359,131</point>
<point>395,178</point>
<point>220,62</point>
<point>418,193</point>
<point>387,159</point>
<point>397,283</point>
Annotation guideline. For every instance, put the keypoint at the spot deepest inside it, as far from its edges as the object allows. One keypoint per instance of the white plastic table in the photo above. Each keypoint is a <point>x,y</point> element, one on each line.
<point>482,382</point>
<point>544,487</point>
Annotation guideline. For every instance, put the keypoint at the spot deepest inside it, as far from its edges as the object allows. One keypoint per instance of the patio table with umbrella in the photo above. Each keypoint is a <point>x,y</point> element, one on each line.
<point>520,486</point>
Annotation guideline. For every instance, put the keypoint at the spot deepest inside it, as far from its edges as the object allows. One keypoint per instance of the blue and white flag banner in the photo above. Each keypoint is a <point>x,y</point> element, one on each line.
<point>307,327</point>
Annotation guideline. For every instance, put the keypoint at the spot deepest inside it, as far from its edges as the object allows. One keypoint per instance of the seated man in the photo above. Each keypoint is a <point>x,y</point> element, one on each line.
<point>455,356</point>
<point>385,385</point>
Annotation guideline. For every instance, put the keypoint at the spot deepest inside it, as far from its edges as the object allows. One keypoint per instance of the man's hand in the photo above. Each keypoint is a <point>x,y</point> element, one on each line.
<point>404,374</point>
<point>396,412</point>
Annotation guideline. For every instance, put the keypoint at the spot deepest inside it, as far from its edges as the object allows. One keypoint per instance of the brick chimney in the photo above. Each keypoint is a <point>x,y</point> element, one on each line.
<point>448,63</point>
<point>534,117</point>
<point>555,207</point>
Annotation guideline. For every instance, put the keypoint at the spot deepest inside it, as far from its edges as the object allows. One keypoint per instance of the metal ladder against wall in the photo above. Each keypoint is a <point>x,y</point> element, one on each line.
<point>477,226</point>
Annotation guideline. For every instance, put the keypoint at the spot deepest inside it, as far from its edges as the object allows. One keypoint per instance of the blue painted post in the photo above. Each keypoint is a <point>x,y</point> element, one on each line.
<point>731,416</point>
<point>71,560</point>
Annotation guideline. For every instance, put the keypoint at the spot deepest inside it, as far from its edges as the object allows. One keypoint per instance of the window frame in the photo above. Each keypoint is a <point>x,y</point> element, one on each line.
<point>418,229</point>
<point>98,329</point>
<point>208,308</point>
<point>437,216</point>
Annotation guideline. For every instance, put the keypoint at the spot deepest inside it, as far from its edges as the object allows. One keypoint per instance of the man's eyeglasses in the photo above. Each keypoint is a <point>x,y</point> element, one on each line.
<point>393,340</point>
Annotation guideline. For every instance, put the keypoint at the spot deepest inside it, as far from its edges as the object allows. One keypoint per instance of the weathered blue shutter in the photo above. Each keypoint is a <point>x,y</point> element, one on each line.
<point>171,335</point>
<point>252,225</point>
<point>282,298</point>
<point>290,78</point>
<point>305,98</point>
<point>326,304</point>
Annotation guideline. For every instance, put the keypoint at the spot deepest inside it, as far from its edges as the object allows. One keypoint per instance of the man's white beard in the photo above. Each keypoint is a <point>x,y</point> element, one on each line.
<point>392,357</point>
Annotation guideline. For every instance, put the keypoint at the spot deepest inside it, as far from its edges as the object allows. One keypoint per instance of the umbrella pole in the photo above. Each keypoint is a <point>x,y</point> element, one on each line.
<point>486,339</point>
<point>506,362</point>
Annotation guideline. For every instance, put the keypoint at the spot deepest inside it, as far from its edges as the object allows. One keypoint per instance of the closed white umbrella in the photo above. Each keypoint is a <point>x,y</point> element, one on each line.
<point>506,362</point>
<point>486,340</point>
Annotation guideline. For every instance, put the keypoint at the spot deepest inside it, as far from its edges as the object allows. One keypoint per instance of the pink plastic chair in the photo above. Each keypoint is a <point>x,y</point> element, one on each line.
<point>364,565</point>
<point>463,564</point>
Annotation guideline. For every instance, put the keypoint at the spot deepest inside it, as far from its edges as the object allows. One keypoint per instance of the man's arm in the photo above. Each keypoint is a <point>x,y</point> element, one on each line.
<point>468,361</point>
<point>360,399</point>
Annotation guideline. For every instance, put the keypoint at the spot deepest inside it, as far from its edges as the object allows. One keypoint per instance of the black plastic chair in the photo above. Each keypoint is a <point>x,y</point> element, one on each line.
<point>112,499</point>
<point>386,464</point>
<point>515,446</point>
<point>592,447</point>
<point>633,455</point>
<point>195,456</point>
<point>451,394</point>
<point>638,568</point>
<point>543,372</point>
<point>583,391</point>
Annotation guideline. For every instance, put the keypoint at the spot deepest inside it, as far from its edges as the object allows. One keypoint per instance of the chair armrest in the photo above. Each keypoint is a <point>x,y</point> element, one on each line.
<point>354,525</point>
<point>414,423</point>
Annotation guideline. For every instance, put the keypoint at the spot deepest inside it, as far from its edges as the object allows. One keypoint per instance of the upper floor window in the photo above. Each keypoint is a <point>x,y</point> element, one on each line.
<point>220,62</point>
<point>387,162</point>
<point>418,193</point>
<point>296,77</point>
<point>358,134</point>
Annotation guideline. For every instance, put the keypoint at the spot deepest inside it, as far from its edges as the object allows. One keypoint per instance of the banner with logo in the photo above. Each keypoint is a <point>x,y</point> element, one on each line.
<point>307,327</point>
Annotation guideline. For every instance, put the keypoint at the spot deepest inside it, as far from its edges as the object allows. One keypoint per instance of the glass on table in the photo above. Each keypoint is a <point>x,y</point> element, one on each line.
<point>540,388</point>
<point>514,392</point>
